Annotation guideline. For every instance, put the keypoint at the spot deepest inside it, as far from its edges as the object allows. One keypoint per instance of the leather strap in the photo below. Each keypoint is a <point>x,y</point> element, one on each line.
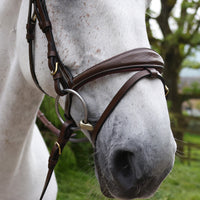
<point>56,131</point>
<point>63,76</point>
<point>120,94</point>
<point>47,123</point>
<point>133,60</point>
<point>56,151</point>
<point>30,36</point>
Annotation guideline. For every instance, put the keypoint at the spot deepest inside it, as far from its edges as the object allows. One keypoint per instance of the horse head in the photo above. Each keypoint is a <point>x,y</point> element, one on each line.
<point>135,148</point>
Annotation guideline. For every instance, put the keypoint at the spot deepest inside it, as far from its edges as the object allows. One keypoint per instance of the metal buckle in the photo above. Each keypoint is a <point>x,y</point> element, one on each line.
<point>86,126</point>
<point>59,148</point>
<point>34,17</point>
<point>166,90</point>
<point>55,71</point>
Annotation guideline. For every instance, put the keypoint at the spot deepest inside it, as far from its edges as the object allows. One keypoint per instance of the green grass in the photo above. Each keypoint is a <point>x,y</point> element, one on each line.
<point>194,151</point>
<point>193,138</point>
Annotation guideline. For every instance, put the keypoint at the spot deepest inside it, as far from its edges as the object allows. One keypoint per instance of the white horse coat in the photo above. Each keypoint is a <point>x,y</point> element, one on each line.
<point>86,32</point>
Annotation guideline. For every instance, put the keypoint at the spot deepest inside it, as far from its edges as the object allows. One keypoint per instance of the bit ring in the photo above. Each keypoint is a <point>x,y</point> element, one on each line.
<point>70,91</point>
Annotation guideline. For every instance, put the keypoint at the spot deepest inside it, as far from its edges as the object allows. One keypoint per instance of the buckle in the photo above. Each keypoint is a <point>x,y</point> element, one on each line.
<point>166,90</point>
<point>59,148</point>
<point>86,126</point>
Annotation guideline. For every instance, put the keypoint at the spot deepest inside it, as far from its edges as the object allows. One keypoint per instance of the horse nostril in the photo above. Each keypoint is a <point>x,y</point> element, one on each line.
<point>129,174</point>
<point>123,169</point>
<point>122,162</point>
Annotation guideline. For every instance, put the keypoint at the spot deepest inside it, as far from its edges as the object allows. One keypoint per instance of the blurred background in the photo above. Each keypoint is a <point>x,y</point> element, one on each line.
<point>174,32</point>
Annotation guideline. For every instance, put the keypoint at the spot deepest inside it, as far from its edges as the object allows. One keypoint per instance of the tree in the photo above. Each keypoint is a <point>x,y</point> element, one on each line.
<point>180,36</point>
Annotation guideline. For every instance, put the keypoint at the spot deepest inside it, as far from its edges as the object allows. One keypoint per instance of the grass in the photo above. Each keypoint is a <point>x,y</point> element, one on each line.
<point>193,152</point>
<point>193,138</point>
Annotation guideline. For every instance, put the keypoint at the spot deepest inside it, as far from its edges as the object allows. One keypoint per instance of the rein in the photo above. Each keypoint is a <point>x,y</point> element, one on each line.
<point>146,62</point>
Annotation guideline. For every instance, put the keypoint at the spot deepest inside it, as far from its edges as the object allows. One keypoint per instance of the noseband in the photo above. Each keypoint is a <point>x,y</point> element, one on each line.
<point>145,62</point>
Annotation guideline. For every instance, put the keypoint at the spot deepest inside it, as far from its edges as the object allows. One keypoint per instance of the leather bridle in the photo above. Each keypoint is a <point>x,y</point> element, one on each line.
<point>144,61</point>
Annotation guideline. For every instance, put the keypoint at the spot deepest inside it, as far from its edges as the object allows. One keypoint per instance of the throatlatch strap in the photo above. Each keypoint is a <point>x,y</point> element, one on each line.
<point>61,74</point>
<point>30,36</point>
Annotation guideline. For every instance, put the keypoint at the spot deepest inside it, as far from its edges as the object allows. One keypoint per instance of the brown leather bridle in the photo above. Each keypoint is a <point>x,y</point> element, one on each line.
<point>146,62</point>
